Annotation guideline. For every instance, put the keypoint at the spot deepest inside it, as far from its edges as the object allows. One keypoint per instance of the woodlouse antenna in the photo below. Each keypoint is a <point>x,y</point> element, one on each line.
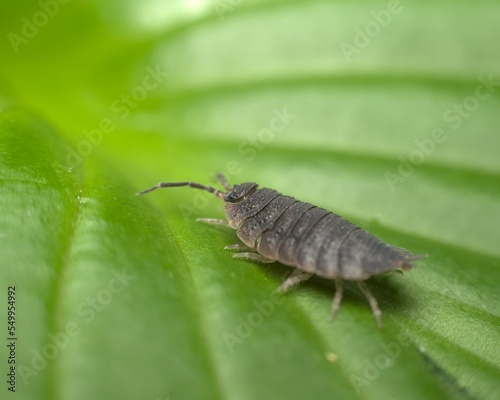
<point>224,182</point>
<point>193,185</point>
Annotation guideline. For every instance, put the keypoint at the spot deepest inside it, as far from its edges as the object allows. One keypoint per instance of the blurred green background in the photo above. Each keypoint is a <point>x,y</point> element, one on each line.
<point>383,112</point>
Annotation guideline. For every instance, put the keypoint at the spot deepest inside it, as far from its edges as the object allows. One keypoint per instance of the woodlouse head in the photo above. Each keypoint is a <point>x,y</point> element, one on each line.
<point>240,192</point>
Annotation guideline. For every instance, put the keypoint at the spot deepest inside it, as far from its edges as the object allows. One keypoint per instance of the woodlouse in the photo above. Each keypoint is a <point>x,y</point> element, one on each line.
<point>275,227</point>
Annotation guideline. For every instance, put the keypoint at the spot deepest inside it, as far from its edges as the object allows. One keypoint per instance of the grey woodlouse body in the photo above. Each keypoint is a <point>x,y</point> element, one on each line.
<point>315,241</point>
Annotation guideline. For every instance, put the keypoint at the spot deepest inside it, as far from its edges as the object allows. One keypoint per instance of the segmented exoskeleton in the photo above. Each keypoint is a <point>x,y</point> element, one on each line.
<point>275,227</point>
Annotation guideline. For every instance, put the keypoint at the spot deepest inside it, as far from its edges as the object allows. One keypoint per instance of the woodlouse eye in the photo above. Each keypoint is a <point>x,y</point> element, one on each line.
<point>240,192</point>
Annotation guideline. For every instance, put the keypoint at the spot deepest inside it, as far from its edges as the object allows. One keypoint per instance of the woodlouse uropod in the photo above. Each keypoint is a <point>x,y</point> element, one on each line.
<point>275,227</point>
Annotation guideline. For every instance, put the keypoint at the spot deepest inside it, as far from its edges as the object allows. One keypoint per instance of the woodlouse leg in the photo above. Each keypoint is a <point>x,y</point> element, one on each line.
<point>373,303</point>
<point>337,298</point>
<point>237,246</point>
<point>253,257</point>
<point>295,278</point>
<point>213,221</point>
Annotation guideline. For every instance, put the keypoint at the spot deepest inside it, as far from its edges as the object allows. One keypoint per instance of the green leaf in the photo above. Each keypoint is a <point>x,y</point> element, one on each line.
<point>384,113</point>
